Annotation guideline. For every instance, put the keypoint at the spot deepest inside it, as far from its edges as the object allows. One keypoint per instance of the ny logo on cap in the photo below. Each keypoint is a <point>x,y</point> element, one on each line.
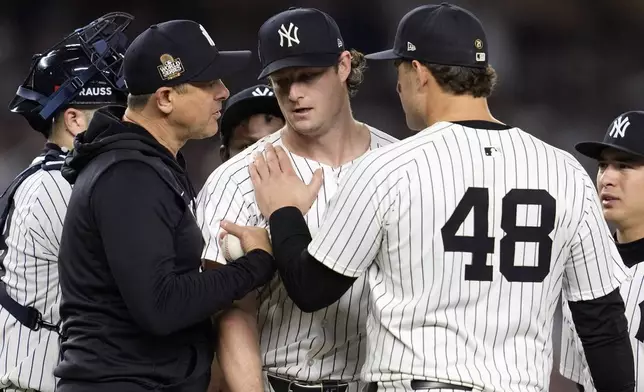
<point>619,127</point>
<point>290,35</point>
<point>266,92</point>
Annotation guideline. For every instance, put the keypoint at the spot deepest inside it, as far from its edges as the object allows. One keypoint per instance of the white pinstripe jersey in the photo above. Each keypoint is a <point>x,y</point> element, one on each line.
<point>573,363</point>
<point>325,345</point>
<point>468,237</point>
<point>28,358</point>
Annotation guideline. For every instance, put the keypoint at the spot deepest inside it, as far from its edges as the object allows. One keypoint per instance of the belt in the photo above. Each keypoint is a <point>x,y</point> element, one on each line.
<point>422,385</point>
<point>281,384</point>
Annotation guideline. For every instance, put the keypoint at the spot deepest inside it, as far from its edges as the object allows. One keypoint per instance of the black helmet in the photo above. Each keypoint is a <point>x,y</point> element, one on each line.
<point>257,99</point>
<point>82,69</point>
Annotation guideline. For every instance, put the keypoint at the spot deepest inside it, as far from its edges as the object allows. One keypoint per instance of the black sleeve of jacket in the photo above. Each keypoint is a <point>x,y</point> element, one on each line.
<point>603,330</point>
<point>136,213</point>
<point>310,284</point>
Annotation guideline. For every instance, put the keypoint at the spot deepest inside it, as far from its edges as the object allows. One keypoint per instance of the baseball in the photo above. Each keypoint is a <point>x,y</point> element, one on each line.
<point>231,247</point>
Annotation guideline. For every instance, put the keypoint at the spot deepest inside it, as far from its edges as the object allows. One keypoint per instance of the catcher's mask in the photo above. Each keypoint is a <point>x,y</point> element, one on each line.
<point>83,69</point>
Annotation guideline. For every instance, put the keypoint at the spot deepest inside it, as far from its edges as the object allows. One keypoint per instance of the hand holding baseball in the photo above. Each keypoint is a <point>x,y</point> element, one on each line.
<point>230,246</point>
<point>237,240</point>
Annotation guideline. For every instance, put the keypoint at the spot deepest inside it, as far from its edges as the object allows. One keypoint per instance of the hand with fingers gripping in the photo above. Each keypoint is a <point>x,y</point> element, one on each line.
<point>277,185</point>
<point>251,237</point>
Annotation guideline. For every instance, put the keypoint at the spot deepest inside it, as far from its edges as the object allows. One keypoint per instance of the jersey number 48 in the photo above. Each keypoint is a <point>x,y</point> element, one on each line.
<point>480,245</point>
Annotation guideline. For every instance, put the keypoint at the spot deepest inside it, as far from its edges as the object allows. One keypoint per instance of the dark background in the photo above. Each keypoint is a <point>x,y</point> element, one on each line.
<point>566,68</point>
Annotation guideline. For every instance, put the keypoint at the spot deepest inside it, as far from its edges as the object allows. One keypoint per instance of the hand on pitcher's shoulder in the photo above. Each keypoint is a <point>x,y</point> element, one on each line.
<point>277,184</point>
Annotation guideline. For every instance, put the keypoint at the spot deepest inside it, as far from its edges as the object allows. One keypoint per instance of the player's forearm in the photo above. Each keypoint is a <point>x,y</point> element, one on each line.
<point>310,284</point>
<point>168,303</point>
<point>217,381</point>
<point>238,351</point>
<point>603,330</point>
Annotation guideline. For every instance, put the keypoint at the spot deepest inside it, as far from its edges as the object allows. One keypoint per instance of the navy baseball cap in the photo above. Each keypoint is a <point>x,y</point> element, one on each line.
<point>253,100</point>
<point>176,52</point>
<point>625,133</point>
<point>299,37</point>
<point>442,34</point>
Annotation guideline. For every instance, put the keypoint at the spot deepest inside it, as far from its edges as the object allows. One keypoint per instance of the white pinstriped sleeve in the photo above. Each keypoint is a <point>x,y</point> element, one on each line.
<point>572,362</point>
<point>594,267</point>
<point>350,237</point>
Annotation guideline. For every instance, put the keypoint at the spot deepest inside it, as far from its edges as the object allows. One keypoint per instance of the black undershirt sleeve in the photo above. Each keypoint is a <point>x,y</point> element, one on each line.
<point>603,330</point>
<point>310,284</point>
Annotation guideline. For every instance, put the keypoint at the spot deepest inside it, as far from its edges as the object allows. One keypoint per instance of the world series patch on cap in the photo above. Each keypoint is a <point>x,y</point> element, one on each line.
<point>175,52</point>
<point>442,34</point>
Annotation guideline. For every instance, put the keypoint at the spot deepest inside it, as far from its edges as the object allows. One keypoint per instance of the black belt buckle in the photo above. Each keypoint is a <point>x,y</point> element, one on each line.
<point>281,384</point>
<point>334,387</point>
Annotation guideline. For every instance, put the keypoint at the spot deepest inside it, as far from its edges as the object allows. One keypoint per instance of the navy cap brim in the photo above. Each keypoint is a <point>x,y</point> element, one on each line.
<point>384,55</point>
<point>226,63</point>
<point>309,60</point>
<point>594,149</point>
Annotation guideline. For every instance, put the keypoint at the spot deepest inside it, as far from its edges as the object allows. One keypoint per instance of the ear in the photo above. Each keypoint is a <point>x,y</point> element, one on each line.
<point>422,74</point>
<point>223,153</point>
<point>344,65</point>
<point>164,98</point>
<point>75,121</point>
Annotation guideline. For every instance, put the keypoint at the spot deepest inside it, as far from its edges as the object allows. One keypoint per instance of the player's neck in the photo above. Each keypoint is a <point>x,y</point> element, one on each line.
<point>448,107</point>
<point>629,234</point>
<point>62,138</point>
<point>343,140</point>
<point>158,128</point>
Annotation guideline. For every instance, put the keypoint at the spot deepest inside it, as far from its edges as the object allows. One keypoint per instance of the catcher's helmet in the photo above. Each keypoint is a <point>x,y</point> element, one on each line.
<point>82,69</point>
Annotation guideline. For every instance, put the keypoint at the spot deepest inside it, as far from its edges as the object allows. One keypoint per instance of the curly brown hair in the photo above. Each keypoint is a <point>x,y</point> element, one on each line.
<point>356,75</point>
<point>457,80</point>
<point>477,82</point>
